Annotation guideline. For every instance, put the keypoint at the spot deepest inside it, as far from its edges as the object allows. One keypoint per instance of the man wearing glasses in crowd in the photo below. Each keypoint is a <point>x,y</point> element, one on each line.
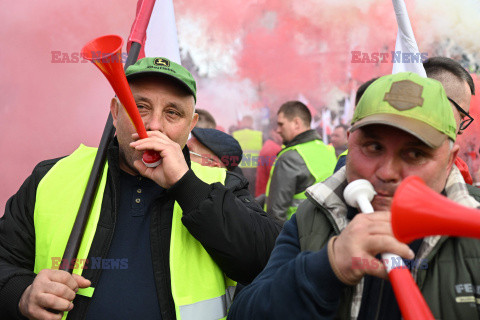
<point>465,117</point>
<point>459,86</point>
<point>214,148</point>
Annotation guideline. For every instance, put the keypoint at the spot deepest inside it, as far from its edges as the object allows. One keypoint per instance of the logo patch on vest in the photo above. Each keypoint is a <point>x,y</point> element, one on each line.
<point>404,95</point>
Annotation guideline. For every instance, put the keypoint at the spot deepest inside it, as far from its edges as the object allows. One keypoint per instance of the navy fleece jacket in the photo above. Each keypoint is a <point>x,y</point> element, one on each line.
<point>293,285</point>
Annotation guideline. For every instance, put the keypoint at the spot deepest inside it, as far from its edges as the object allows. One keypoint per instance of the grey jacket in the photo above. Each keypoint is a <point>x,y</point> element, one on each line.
<point>290,176</point>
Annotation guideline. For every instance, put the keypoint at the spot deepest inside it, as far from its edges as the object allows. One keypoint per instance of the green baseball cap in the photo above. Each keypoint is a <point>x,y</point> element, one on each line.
<point>163,67</point>
<point>411,103</point>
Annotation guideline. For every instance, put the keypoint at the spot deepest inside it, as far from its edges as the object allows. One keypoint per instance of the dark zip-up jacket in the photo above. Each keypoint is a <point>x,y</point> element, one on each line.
<point>232,228</point>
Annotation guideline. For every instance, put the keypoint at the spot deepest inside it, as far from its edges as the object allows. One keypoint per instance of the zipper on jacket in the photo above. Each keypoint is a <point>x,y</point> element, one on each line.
<point>380,300</point>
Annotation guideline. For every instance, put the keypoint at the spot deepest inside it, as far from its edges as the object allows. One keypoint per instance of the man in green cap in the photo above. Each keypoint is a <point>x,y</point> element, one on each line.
<point>326,263</point>
<point>167,242</point>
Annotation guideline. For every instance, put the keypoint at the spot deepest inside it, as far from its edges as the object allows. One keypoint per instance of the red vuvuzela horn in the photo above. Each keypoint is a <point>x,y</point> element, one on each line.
<point>106,53</point>
<point>418,212</point>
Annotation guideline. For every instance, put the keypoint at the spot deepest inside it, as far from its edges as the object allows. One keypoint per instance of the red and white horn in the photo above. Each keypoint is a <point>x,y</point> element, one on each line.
<point>106,53</point>
<point>412,305</point>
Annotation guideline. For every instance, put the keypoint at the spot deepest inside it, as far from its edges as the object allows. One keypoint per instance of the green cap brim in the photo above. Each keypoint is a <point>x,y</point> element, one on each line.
<point>141,74</point>
<point>163,68</point>
<point>419,129</point>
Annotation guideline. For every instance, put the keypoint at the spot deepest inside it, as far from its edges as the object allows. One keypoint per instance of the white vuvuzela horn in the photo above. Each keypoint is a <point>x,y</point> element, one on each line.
<point>358,194</point>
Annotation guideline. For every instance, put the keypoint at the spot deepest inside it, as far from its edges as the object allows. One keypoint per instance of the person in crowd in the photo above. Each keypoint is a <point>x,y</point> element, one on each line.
<point>205,119</point>
<point>459,86</point>
<point>338,139</point>
<point>268,154</point>
<point>161,243</point>
<point>304,161</point>
<point>403,125</point>
<point>251,142</point>
<point>342,158</point>
<point>214,148</point>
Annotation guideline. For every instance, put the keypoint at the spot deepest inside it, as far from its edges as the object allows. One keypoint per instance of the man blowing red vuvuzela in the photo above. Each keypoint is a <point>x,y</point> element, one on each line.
<point>163,243</point>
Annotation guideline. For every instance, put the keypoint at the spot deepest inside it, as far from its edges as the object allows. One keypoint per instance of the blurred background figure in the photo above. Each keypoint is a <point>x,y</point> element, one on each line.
<point>214,148</point>
<point>305,160</point>
<point>338,139</point>
<point>267,156</point>
<point>251,142</point>
<point>205,119</point>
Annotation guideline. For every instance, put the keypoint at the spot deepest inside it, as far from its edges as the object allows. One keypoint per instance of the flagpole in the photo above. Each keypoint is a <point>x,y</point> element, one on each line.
<point>137,36</point>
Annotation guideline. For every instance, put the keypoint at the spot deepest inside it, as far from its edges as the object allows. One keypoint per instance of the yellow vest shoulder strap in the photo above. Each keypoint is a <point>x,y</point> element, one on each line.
<point>58,199</point>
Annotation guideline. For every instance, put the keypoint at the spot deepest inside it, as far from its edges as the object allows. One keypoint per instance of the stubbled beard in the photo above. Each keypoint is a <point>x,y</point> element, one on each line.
<point>124,160</point>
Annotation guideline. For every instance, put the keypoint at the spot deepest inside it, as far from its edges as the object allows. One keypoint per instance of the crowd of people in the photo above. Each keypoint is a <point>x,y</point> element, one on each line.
<point>247,225</point>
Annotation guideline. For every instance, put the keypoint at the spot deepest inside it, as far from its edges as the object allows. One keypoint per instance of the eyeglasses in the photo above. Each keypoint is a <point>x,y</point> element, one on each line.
<point>208,159</point>
<point>465,122</point>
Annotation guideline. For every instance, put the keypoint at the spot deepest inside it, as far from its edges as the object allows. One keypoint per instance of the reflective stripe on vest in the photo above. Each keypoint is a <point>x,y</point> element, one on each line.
<point>251,143</point>
<point>188,257</point>
<point>320,161</point>
<point>198,284</point>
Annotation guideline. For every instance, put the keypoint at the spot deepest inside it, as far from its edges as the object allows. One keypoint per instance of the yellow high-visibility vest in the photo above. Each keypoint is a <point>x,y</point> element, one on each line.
<point>320,160</point>
<point>344,153</point>
<point>199,287</point>
<point>251,143</point>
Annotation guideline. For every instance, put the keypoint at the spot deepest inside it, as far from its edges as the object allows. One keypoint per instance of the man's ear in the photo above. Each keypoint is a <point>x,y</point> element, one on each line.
<point>298,123</point>
<point>114,107</point>
<point>194,121</point>
<point>453,156</point>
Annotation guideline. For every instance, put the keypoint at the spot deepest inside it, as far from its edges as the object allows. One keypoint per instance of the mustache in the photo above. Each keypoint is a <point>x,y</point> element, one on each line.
<point>385,189</point>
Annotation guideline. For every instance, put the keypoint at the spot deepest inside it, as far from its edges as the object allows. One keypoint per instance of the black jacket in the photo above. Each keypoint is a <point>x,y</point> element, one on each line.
<point>232,228</point>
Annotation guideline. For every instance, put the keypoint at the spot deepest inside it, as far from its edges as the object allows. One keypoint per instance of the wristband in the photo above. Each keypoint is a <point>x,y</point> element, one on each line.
<point>336,270</point>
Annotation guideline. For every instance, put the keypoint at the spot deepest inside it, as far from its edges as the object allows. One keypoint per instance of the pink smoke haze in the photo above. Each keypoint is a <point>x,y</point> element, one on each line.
<point>263,52</point>
<point>47,108</point>
<point>289,48</point>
